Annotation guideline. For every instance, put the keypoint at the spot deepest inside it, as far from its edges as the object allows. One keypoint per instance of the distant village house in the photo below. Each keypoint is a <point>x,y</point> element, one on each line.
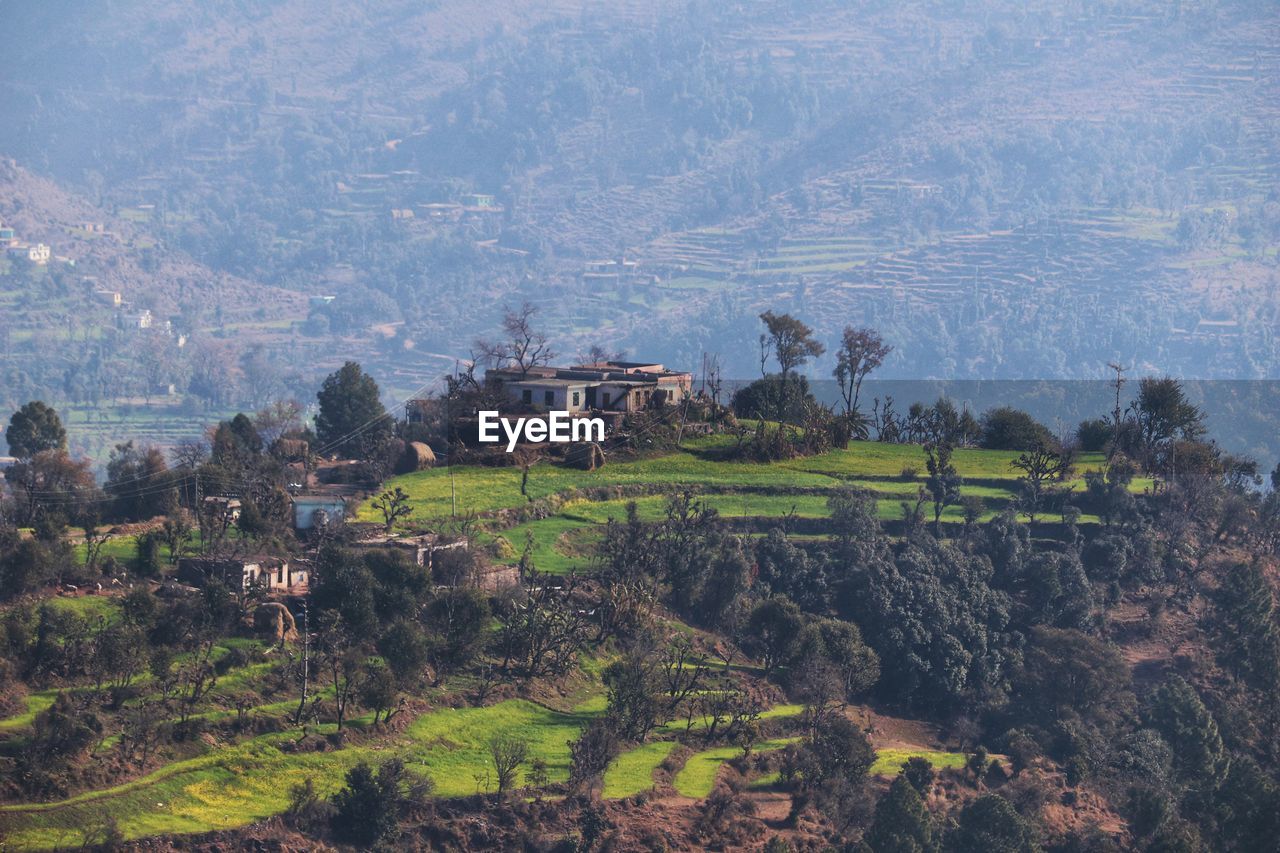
<point>310,511</point>
<point>606,386</point>
<point>243,573</point>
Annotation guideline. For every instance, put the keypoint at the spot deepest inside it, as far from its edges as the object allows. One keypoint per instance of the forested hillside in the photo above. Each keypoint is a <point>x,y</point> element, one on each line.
<point>1004,189</point>
<point>709,632</point>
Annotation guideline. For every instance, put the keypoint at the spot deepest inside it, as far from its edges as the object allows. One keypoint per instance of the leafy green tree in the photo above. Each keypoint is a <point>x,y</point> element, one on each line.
<point>830,768</point>
<point>457,621</point>
<point>1066,670</point>
<point>791,341</point>
<point>785,399</point>
<point>932,617</point>
<point>147,561</point>
<point>346,586</point>
<point>1057,591</point>
<point>1163,412</point>
<point>782,567</point>
<point>1007,428</point>
<point>772,629</point>
<point>378,689</point>
<point>352,421</point>
<point>990,824</point>
<point>236,443</point>
<point>403,645</point>
<point>944,480</point>
<point>854,523</point>
<point>901,823</point>
<point>367,808</point>
<point>1177,836</point>
<point>838,645</point>
<point>861,351</point>
<point>919,772</point>
<point>1093,434</point>
<point>35,428</point>
<point>1247,807</point>
<point>139,483</point>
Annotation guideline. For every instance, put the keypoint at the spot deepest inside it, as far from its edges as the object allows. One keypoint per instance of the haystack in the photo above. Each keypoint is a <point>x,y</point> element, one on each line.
<point>417,456</point>
<point>588,456</point>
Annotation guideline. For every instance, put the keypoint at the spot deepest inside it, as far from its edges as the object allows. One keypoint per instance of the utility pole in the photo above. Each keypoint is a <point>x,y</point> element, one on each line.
<point>448,442</point>
<point>306,664</point>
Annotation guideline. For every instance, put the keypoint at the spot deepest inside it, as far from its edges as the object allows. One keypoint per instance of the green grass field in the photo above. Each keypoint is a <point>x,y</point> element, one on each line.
<point>242,783</point>
<point>237,785</point>
<point>561,541</point>
<point>632,772</point>
<point>698,776</point>
<point>889,762</point>
<point>865,464</point>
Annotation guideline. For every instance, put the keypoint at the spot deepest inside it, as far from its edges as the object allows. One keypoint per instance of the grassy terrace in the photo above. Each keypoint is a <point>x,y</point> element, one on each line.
<point>239,784</point>
<point>236,785</point>
<point>797,487</point>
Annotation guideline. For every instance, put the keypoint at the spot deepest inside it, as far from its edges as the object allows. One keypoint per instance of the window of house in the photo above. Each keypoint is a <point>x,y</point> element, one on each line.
<point>527,396</point>
<point>605,398</point>
<point>577,398</point>
<point>549,398</point>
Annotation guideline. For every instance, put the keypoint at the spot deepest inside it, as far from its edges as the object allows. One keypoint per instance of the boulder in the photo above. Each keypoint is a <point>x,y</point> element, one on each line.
<point>274,620</point>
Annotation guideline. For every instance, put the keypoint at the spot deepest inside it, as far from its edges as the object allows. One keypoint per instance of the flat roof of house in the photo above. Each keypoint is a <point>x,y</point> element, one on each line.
<point>552,382</point>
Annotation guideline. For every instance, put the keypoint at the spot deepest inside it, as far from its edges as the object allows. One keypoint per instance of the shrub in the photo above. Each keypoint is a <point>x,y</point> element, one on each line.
<point>366,812</point>
<point>1093,434</point>
<point>771,398</point>
<point>919,772</point>
<point>1006,428</point>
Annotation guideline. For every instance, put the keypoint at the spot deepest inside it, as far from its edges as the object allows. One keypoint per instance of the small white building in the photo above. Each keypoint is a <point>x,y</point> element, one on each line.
<point>566,395</point>
<point>318,510</point>
<point>32,253</point>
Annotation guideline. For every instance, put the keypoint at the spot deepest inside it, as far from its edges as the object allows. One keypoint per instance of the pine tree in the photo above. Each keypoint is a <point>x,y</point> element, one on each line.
<point>990,825</point>
<point>352,420</point>
<point>1186,724</point>
<point>902,823</point>
<point>1245,624</point>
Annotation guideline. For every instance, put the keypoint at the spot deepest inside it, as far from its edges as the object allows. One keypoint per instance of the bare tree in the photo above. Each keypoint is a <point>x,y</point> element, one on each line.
<point>524,347</point>
<point>683,671</point>
<point>394,505</point>
<point>712,380</point>
<point>597,353</point>
<point>1118,384</point>
<point>1039,465</point>
<point>507,753</point>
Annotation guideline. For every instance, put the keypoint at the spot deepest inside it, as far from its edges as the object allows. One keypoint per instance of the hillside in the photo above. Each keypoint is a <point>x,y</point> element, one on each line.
<point>698,632</point>
<point>116,251</point>
<point>1098,178</point>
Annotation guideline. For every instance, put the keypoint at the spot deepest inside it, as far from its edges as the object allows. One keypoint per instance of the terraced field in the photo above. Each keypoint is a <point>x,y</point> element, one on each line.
<point>792,489</point>
<point>237,785</point>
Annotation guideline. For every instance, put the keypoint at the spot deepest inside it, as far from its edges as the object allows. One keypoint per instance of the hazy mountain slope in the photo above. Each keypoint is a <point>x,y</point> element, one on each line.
<point>1005,189</point>
<point>124,256</point>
